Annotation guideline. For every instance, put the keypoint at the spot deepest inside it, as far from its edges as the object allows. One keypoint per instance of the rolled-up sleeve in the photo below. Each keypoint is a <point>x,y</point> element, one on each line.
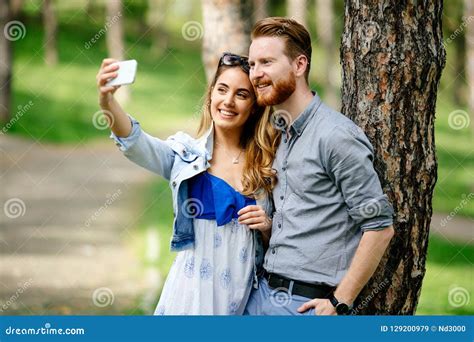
<point>349,158</point>
<point>124,143</point>
<point>149,152</point>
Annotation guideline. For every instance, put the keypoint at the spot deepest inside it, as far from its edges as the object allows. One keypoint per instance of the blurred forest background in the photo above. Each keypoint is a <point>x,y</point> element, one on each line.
<point>53,50</point>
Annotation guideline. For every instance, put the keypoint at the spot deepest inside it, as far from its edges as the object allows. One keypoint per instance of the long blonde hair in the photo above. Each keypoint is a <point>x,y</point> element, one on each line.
<point>259,139</point>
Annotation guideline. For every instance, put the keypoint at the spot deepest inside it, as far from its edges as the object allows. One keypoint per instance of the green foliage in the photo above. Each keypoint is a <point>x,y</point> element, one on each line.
<point>448,281</point>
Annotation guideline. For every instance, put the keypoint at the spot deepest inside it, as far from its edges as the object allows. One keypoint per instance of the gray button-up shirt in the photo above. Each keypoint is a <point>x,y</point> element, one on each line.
<point>327,195</point>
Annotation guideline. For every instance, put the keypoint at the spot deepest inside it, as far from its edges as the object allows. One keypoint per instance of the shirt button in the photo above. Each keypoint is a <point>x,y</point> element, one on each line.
<point>273,250</point>
<point>281,197</point>
<point>285,141</point>
<point>279,225</point>
<point>118,144</point>
<point>195,167</point>
<point>283,168</point>
<point>173,184</point>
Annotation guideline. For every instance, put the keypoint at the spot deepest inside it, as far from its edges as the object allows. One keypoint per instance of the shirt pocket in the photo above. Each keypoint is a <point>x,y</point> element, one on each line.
<point>184,152</point>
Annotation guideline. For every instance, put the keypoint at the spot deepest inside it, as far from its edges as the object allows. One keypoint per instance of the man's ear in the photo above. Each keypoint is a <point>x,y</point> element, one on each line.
<point>300,64</point>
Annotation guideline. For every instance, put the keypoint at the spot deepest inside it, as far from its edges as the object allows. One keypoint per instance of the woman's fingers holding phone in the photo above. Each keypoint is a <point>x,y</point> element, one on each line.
<point>110,68</point>
<point>108,61</point>
<point>104,90</point>
<point>106,77</point>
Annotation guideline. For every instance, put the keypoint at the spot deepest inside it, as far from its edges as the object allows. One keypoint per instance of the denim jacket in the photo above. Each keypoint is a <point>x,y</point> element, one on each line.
<point>178,159</point>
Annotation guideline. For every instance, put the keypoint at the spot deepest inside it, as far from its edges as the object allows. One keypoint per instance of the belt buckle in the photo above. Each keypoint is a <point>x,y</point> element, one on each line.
<point>277,282</point>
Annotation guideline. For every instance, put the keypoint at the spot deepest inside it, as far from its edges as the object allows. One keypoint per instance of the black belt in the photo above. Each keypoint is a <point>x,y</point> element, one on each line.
<point>299,288</point>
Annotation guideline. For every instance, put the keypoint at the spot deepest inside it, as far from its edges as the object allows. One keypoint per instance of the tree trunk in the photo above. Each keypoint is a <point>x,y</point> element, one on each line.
<point>115,41</point>
<point>16,6</point>
<point>5,64</point>
<point>296,9</point>
<point>392,56</point>
<point>325,31</point>
<point>260,9</point>
<point>155,18</point>
<point>227,25</point>
<point>50,33</point>
<point>469,20</point>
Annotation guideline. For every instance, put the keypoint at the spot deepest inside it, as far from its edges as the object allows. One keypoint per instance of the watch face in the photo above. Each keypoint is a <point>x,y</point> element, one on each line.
<point>342,309</point>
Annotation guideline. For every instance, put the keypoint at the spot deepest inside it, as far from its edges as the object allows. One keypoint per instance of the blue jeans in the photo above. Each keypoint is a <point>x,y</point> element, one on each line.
<point>268,301</point>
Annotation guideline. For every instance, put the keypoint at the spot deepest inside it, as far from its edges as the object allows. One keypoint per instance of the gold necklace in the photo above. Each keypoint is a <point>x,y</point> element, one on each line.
<point>235,160</point>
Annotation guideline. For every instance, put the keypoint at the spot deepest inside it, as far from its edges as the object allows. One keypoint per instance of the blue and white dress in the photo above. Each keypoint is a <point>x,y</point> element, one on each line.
<point>214,277</point>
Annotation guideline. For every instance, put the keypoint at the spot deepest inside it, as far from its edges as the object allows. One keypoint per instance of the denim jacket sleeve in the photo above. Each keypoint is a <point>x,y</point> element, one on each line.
<point>349,159</point>
<point>149,152</point>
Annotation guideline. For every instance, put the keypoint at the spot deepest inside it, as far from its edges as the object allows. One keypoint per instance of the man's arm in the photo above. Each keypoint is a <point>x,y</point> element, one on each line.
<point>348,156</point>
<point>370,251</point>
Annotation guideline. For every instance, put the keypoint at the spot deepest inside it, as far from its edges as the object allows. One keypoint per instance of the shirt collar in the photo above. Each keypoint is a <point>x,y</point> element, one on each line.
<point>206,142</point>
<point>302,120</point>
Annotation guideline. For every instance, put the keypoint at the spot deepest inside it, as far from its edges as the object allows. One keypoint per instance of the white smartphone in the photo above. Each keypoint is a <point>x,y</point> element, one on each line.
<point>126,73</point>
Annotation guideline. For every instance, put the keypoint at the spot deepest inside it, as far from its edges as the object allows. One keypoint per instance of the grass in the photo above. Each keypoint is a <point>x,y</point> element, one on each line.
<point>448,281</point>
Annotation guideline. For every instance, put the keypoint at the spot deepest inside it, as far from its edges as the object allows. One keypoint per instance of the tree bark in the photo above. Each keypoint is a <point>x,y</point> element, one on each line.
<point>296,9</point>
<point>469,20</point>
<point>325,31</point>
<point>227,25</point>
<point>5,64</point>
<point>115,41</point>
<point>50,33</point>
<point>392,56</point>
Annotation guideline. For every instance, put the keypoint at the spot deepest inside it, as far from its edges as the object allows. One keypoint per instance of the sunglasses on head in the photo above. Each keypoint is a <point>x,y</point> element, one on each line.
<point>231,59</point>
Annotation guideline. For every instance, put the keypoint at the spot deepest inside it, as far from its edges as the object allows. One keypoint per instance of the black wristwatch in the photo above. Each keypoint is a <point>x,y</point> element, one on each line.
<point>341,308</point>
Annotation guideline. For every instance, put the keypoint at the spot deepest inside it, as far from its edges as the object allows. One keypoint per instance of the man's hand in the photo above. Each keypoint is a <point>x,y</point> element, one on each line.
<point>321,307</point>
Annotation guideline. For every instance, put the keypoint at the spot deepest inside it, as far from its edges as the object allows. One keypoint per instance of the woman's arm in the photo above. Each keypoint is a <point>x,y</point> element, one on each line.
<point>118,120</point>
<point>149,152</point>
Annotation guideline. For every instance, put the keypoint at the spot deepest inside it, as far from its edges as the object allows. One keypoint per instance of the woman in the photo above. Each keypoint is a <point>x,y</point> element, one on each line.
<point>223,175</point>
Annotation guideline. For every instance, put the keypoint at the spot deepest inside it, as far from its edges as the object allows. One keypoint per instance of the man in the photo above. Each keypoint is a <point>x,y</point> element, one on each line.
<point>332,222</point>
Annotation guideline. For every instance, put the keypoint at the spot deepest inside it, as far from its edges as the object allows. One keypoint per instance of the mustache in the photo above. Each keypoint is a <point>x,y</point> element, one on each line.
<point>256,83</point>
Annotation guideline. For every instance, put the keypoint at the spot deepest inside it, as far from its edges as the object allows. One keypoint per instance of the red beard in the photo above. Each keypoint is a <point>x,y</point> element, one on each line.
<point>280,92</point>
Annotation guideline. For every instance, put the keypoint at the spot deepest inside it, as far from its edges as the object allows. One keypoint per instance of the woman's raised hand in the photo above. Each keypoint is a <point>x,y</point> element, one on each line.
<point>106,72</point>
<point>118,121</point>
